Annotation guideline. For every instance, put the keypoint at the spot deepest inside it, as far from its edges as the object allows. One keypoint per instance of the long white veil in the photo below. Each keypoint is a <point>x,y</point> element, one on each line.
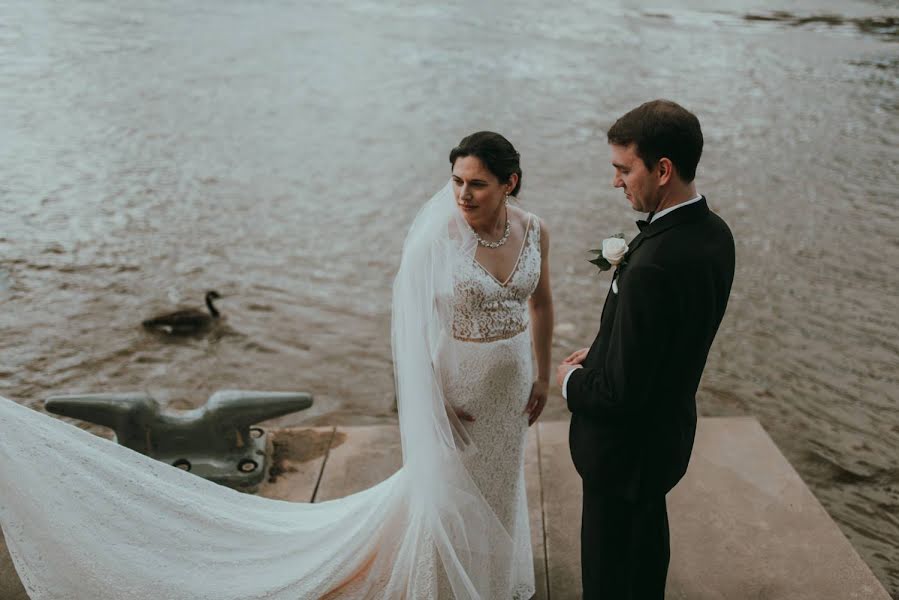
<point>465,529</point>
<point>86,518</point>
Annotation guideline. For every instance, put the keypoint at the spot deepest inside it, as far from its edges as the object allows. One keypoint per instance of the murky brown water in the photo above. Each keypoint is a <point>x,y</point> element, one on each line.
<point>277,151</point>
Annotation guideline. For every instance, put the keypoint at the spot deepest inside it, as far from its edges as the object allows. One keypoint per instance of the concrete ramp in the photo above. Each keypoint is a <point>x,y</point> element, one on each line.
<point>743,524</point>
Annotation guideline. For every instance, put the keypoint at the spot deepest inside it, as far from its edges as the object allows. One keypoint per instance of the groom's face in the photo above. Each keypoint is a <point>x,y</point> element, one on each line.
<point>639,184</point>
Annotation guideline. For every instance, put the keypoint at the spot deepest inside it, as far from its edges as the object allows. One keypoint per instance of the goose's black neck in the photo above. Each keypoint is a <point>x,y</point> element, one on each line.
<point>212,310</point>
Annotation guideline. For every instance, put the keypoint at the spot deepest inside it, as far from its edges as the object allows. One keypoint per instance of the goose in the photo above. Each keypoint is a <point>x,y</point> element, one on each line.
<point>188,321</point>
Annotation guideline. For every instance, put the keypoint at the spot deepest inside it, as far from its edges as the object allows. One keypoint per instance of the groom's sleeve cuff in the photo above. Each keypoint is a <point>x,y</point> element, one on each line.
<point>565,382</point>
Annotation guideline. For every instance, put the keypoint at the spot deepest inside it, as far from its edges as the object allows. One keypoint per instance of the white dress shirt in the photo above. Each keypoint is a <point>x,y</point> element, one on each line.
<point>664,212</point>
<point>656,216</point>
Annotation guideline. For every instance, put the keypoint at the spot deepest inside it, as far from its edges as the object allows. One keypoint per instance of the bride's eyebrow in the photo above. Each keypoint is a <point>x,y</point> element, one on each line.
<point>471,180</point>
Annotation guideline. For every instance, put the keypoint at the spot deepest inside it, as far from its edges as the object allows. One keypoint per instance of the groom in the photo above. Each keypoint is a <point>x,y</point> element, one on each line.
<point>632,393</point>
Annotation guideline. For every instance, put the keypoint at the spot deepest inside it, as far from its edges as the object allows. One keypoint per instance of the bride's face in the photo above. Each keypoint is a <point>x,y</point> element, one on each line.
<point>479,194</point>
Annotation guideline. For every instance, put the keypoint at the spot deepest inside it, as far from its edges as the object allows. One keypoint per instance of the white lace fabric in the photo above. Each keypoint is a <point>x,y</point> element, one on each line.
<point>492,381</point>
<point>487,310</point>
<point>85,518</point>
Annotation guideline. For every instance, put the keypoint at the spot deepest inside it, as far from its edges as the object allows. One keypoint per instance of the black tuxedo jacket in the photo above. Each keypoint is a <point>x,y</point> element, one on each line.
<point>633,404</point>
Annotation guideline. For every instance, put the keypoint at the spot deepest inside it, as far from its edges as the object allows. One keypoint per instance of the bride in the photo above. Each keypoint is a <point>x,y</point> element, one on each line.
<point>86,518</point>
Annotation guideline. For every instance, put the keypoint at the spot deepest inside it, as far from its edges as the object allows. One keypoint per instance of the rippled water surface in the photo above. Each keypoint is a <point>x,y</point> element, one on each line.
<point>276,151</point>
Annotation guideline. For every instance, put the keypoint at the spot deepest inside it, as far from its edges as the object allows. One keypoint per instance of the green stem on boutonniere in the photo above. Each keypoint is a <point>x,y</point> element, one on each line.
<point>601,263</point>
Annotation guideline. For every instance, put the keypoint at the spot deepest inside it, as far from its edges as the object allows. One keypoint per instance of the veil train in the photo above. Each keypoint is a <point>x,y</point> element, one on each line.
<point>86,518</point>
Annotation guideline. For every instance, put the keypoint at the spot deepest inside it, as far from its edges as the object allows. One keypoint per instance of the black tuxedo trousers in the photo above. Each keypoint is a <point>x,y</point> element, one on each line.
<point>633,403</point>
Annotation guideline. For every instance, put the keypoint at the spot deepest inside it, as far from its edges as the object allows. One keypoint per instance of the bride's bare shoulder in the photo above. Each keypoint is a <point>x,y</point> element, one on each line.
<point>520,216</point>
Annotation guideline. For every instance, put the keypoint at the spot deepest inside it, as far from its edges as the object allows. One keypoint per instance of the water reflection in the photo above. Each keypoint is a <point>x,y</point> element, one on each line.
<point>885,27</point>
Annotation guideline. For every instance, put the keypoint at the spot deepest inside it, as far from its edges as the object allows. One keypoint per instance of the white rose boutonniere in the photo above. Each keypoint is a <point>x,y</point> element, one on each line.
<point>612,252</point>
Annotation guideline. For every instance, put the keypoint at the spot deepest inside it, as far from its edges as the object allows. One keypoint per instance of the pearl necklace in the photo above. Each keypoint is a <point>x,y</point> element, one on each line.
<point>498,242</point>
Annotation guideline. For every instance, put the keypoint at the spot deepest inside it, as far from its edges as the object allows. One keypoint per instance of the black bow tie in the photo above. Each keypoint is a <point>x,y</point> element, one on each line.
<point>642,225</point>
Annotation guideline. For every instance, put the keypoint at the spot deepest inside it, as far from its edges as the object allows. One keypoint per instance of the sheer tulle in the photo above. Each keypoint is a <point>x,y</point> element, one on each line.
<point>86,518</point>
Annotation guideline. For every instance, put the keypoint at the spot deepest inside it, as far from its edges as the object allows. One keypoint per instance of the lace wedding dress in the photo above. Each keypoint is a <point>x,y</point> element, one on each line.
<point>492,382</point>
<point>86,518</point>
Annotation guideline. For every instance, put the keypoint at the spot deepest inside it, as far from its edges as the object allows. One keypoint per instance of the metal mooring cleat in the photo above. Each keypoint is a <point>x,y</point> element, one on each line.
<point>215,441</point>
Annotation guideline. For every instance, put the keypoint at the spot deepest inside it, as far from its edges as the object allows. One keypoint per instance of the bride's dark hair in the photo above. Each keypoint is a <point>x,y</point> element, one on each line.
<point>495,151</point>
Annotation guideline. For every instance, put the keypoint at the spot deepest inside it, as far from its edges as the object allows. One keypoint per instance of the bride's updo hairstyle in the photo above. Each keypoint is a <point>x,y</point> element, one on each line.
<point>495,151</point>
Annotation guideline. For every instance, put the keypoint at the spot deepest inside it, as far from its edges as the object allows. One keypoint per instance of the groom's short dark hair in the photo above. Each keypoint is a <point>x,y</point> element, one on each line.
<point>661,129</point>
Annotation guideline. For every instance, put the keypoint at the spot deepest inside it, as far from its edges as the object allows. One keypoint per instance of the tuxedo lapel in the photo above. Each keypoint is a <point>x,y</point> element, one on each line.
<point>633,245</point>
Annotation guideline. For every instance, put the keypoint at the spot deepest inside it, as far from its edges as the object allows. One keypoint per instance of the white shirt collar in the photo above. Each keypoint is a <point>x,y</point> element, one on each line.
<point>661,213</point>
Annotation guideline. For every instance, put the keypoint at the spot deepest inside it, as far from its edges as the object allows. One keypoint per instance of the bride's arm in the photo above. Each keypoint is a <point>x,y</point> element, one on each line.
<point>541,306</point>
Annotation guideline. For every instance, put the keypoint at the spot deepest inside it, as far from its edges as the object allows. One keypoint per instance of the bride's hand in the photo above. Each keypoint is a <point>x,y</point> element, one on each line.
<point>537,401</point>
<point>462,415</point>
<point>576,357</point>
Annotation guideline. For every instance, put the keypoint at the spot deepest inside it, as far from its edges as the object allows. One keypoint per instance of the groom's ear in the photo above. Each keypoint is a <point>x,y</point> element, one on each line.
<point>666,170</point>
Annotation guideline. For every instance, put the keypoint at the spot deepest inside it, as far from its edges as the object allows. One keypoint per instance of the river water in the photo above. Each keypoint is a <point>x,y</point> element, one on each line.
<point>276,151</point>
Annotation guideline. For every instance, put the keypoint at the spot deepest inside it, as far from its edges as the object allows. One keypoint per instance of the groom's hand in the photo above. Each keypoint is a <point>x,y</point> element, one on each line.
<point>563,370</point>
<point>576,357</point>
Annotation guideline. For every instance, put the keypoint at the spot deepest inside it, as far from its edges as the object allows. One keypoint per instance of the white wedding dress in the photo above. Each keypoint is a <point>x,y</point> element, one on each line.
<point>86,518</point>
<point>492,382</point>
